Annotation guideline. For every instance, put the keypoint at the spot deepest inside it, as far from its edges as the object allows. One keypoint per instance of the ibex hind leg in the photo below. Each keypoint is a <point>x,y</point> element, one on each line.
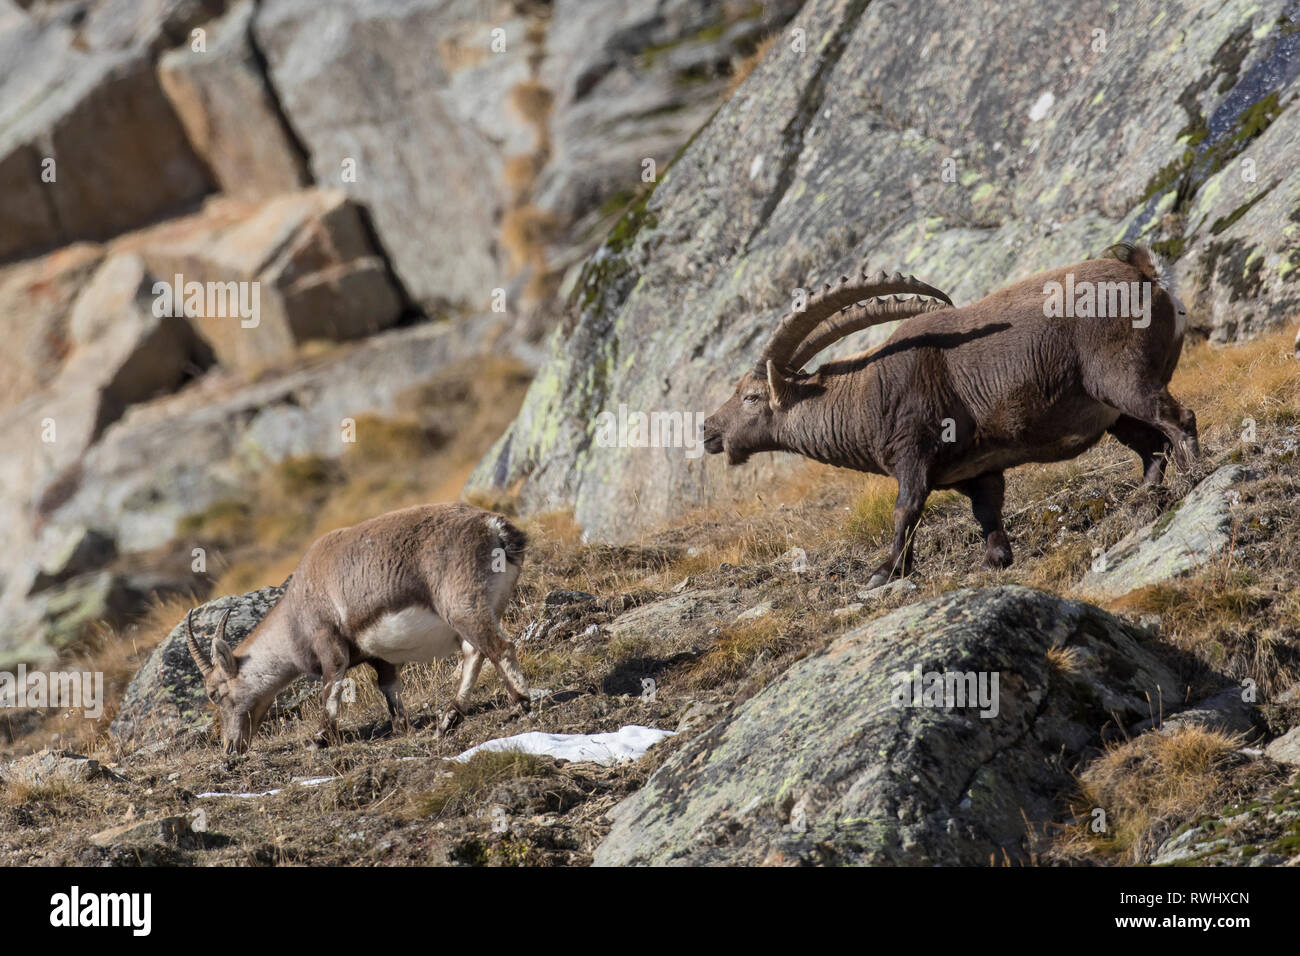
<point>986,493</point>
<point>480,630</point>
<point>1155,407</point>
<point>389,678</point>
<point>471,661</point>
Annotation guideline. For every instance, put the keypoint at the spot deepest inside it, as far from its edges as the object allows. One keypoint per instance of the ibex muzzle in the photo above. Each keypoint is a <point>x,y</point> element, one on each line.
<point>958,395</point>
<point>419,584</point>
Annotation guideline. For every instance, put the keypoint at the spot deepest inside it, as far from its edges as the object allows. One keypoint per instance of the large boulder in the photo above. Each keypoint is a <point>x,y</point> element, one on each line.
<point>829,764</point>
<point>204,447</point>
<point>36,297</point>
<point>297,267</point>
<point>472,93</point>
<point>962,155</point>
<point>119,348</point>
<point>89,145</point>
<point>632,80</point>
<point>166,697</point>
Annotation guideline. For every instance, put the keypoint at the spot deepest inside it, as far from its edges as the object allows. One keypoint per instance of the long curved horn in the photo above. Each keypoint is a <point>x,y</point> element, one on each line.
<point>794,327</point>
<point>854,318</point>
<point>201,659</point>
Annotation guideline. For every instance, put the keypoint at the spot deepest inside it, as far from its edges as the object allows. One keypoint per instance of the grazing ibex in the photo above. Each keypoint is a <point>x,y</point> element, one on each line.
<point>412,585</point>
<point>958,395</point>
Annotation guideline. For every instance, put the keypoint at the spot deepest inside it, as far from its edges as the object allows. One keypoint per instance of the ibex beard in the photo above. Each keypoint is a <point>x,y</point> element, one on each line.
<point>420,584</point>
<point>955,396</point>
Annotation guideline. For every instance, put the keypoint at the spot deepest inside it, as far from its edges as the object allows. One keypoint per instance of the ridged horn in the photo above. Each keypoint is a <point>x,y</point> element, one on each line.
<point>201,659</point>
<point>854,318</point>
<point>794,327</point>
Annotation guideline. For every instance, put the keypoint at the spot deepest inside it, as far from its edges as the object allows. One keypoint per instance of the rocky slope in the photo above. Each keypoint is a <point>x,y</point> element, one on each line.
<point>381,170</point>
<point>781,678</point>
<point>360,165</point>
<point>970,144</point>
<point>840,761</point>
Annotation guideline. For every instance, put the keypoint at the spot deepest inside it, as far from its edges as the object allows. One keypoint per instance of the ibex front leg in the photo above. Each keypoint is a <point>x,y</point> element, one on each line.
<point>912,492</point>
<point>334,667</point>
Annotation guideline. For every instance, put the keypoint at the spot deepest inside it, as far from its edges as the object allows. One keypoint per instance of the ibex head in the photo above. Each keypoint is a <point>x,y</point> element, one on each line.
<point>754,418</point>
<point>750,420</point>
<point>240,706</point>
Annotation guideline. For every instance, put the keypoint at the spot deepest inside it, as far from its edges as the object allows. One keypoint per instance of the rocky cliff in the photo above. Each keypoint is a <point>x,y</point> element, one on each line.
<point>361,166</point>
<point>970,144</point>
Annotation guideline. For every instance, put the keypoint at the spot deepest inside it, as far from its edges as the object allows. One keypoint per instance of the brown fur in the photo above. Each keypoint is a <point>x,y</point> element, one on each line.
<point>442,558</point>
<point>1016,385</point>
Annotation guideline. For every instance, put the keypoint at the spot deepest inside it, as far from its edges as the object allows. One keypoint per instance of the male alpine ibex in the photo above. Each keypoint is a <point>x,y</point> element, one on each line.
<point>411,585</point>
<point>958,395</point>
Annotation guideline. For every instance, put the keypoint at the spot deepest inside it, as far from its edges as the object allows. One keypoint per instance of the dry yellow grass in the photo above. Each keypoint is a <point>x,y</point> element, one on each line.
<point>739,648</point>
<point>744,66</point>
<point>532,101</point>
<point>525,233</point>
<point>1148,781</point>
<point>1227,384</point>
<point>117,653</point>
<point>469,782</point>
<point>47,793</point>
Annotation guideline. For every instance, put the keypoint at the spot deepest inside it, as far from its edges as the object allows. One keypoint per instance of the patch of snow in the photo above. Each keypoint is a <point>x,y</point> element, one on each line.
<point>627,743</point>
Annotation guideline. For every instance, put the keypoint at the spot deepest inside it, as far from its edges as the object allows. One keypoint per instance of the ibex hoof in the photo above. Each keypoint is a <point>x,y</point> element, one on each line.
<point>997,560</point>
<point>450,718</point>
<point>877,580</point>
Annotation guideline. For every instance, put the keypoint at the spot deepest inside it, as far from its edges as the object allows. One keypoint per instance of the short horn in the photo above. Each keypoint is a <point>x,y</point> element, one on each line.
<point>202,660</point>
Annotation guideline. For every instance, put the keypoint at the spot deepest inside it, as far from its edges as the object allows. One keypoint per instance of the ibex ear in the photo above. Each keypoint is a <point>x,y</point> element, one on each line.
<point>223,659</point>
<point>778,389</point>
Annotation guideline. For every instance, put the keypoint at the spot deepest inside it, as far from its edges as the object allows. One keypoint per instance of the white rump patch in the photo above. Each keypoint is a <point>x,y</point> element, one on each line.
<point>413,634</point>
<point>627,743</point>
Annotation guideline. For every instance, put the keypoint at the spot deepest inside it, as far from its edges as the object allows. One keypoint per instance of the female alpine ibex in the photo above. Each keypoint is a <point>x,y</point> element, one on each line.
<point>1035,372</point>
<point>411,585</point>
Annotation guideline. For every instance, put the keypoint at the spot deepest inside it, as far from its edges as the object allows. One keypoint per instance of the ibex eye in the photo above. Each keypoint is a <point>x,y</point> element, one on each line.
<point>750,399</point>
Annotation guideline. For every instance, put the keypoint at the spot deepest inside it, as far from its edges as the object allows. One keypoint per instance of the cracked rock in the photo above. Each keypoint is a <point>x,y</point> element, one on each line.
<point>887,784</point>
